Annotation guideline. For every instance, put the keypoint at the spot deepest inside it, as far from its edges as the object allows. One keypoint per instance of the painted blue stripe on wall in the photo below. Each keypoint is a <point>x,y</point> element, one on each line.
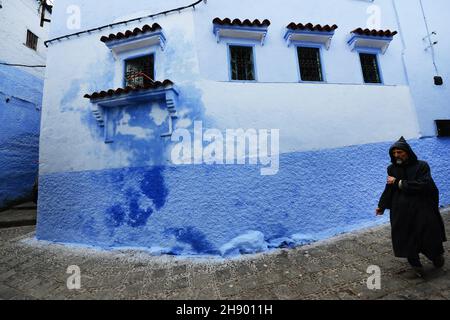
<point>204,210</point>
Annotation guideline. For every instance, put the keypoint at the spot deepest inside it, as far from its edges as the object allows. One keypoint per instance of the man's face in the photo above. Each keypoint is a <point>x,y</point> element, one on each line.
<point>400,155</point>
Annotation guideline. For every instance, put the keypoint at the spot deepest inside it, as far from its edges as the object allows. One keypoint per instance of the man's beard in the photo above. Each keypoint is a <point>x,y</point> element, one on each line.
<point>399,162</point>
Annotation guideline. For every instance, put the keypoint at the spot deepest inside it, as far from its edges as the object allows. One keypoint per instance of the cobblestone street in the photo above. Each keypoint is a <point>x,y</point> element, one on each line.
<point>334,269</point>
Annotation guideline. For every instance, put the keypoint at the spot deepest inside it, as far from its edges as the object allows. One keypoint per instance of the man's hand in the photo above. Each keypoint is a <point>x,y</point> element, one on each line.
<point>391,180</point>
<point>379,211</point>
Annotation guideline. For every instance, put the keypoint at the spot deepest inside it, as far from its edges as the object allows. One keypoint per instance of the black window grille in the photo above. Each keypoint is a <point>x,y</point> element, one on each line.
<point>242,64</point>
<point>140,71</point>
<point>310,64</point>
<point>443,127</point>
<point>370,68</point>
<point>32,40</point>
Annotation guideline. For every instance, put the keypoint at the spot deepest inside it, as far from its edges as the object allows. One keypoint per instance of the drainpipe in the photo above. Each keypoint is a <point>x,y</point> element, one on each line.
<point>44,7</point>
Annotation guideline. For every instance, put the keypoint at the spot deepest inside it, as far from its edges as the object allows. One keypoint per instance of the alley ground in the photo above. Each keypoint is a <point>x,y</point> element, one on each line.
<point>333,269</point>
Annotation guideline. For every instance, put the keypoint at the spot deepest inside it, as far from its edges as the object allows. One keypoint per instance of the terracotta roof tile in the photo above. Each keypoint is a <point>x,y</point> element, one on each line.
<point>239,23</point>
<point>129,33</point>
<point>311,27</point>
<point>120,91</point>
<point>375,33</point>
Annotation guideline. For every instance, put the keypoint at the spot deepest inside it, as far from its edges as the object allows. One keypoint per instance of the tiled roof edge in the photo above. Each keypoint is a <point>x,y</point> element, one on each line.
<point>312,27</point>
<point>239,23</point>
<point>128,89</point>
<point>127,34</point>
<point>374,33</point>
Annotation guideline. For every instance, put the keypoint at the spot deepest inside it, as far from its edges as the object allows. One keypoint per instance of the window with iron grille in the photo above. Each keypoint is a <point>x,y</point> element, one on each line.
<point>32,40</point>
<point>443,127</point>
<point>242,64</point>
<point>370,68</point>
<point>310,64</point>
<point>140,71</point>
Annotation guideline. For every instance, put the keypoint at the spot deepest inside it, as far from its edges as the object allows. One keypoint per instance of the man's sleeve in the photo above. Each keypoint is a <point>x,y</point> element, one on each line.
<point>386,198</point>
<point>421,183</point>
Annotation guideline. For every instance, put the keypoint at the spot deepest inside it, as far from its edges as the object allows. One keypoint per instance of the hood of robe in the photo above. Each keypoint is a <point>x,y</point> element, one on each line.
<point>403,145</point>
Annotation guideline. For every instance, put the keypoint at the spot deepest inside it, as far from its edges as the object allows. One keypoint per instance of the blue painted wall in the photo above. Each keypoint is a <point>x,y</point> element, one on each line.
<point>200,210</point>
<point>20,103</point>
<point>21,90</point>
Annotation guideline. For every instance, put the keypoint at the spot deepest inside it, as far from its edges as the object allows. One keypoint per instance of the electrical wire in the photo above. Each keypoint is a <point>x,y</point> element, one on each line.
<point>125,22</point>
<point>433,54</point>
<point>21,65</point>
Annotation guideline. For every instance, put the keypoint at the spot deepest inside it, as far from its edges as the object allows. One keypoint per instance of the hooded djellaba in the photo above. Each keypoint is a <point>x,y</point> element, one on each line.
<point>417,225</point>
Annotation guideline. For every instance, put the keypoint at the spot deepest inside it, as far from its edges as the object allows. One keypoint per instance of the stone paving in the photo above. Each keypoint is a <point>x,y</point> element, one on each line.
<point>335,269</point>
<point>22,215</point>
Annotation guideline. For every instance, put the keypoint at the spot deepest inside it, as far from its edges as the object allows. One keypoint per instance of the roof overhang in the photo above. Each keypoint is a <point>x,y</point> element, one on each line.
<point>293,37</point>
<point>358,42</point>
<point>237,29</point>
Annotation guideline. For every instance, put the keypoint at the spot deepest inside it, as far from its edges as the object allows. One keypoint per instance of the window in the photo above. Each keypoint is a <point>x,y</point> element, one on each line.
<point>242,64</point>
<point>443,127</point>
<point>32,40</point>
<point>140,71</point>
<point>370,68</point>
<point>310,64</point>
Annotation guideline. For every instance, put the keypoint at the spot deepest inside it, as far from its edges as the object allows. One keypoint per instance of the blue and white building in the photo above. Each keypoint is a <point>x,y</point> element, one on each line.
<point>334,82</point>
<point>22,57</point>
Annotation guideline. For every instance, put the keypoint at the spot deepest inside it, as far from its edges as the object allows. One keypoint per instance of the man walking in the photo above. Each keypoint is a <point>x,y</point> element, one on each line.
<point>413,199</point>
